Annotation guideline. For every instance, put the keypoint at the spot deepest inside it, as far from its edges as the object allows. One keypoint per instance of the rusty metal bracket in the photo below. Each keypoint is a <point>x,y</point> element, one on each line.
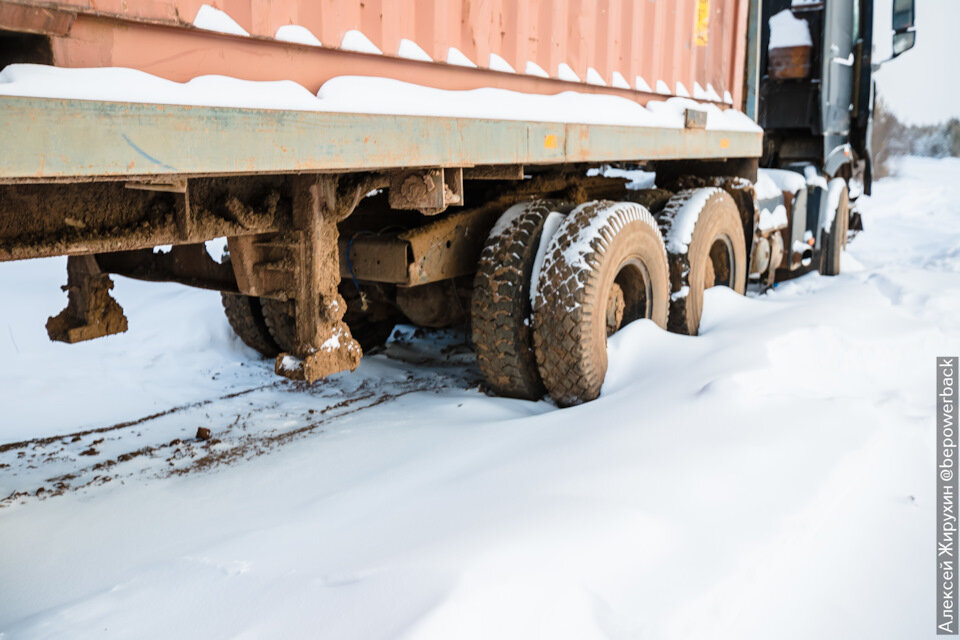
<point>694,119</point>
<point>91,311</point>
<point>429,191</point>
<point>324,343</point>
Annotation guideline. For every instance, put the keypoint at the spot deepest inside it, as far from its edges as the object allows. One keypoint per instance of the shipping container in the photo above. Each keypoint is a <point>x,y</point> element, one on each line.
<point>636,49</point>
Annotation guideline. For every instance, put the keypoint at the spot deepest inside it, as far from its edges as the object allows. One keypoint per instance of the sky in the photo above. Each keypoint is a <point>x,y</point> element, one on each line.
<point>923,85</point>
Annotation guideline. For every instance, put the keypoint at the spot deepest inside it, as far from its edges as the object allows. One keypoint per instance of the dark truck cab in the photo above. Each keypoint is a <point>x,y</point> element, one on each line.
<point>823,118</point>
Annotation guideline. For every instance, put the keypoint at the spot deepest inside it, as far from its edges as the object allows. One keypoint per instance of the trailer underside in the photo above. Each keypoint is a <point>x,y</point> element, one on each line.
<point>402,204</point>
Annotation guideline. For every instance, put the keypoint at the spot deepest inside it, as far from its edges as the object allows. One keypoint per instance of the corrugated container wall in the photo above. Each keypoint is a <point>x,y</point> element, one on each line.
<point>629,47</point>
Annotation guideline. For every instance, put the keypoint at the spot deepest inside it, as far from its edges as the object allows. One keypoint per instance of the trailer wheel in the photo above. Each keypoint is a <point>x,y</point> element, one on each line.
<point>370,329</point>
<point>501,308</point>
<point>835,238</point>
<point>605,267</point>
<point>245,315</point>
<point>704,238</point>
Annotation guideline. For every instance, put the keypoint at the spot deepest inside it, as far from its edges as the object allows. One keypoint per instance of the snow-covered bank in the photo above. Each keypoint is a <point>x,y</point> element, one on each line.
<point>771,477</point>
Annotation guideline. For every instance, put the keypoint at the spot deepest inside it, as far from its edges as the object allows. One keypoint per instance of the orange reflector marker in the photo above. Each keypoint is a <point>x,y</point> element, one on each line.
<point>550,141</point>
<point>724,143</point>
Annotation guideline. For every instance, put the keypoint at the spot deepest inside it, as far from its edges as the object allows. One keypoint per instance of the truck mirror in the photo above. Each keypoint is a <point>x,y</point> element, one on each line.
<point>904,31</point>
<point>903,42</point>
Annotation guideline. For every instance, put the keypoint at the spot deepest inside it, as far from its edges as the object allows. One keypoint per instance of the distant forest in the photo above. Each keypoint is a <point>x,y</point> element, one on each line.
<point>892,138</point>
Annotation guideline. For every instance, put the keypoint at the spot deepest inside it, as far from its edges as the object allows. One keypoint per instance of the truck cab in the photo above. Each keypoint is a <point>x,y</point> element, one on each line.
<point>814,94</point>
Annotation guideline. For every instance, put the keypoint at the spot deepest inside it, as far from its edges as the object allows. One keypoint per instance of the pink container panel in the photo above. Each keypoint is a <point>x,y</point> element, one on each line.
<point>670,46</point>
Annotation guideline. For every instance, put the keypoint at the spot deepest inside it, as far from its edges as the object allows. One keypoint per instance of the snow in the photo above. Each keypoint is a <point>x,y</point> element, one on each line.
<point>550,226</point>
<point>533,69</point>
<point>505,221</point>
<point>713,95</point>
<point>638,179</point>
<point>130,85</point>
<point>834,193</point>
<point>785,180</point>
<point>619,81</point>
<point>332,343</point>
<point>685,214</point>
<point>641,85</point>
<point>766,188</point>
<point>611,217</point>
<point>682,91</point>
<point>699,92</point>
<point>213,19</point>
<point>564,72</point>
<point>357,94</point>
<point>457,57</point>
<point>499,64</point>
<point>354,40</point>
<point>786,30</point>
<point>727,97</point>
<point>772,477</point>
<point>297,34</point>
<point>770,220</point>
<point>411,50</point>
<point>290,363</point>
<point>663,88</point>
<point>216,249</point>
<point>594,77</point>
<point>813,177</point>
<point>682,292</point>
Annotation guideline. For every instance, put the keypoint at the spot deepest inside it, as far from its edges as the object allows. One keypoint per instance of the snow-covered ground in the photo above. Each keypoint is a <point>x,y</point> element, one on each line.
<point>772,477</point>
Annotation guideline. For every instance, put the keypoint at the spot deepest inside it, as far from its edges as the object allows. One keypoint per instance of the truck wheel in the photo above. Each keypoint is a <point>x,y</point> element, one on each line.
<point>704,238</point>
<point>245,315</point>
<point>605,267</point>
<point>835,238</point>
<point>501,308</point>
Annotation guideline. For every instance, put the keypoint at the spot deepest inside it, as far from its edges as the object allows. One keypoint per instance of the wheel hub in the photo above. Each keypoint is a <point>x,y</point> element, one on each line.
<point>615,307</point>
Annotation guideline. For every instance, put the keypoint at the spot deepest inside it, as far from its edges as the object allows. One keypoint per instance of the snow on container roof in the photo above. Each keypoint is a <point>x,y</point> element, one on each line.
<point>356,94</point>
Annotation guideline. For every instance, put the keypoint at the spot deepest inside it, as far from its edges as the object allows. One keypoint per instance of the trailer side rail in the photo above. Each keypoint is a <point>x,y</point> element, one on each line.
<point>48,140</point>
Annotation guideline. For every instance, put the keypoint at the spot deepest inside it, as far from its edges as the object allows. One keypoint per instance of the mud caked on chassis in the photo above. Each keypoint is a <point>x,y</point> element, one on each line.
<point>341,223</point>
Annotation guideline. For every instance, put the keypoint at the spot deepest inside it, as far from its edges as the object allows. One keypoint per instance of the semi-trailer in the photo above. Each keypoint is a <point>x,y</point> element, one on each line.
<point>441,173</point>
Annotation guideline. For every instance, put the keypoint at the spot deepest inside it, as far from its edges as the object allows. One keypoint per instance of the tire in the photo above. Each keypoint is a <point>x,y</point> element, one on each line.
<point>372,327</point>
<point>369,329</point>
<point>245,315</point>
<point>605,267</point>
<point>835,238</point>
<point>706,247</point>
<point>281,321</point>
<point>501,309</point>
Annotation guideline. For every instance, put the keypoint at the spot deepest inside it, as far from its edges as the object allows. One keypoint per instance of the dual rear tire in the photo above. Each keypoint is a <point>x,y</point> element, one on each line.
<point>545,302</point>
